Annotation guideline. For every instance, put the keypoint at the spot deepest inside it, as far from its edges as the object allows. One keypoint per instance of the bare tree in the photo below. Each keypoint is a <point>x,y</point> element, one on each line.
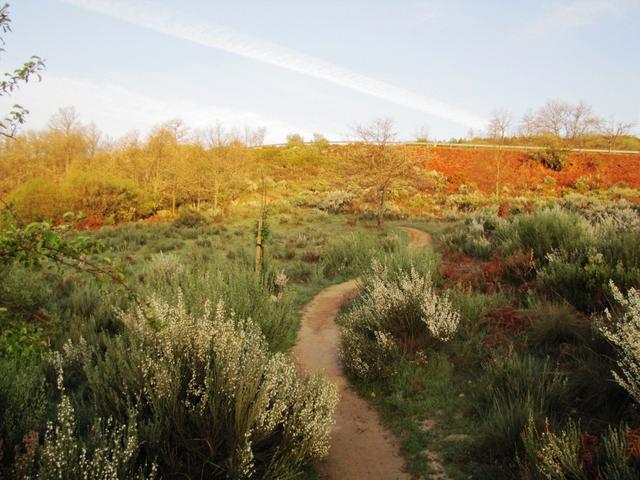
<point>581,121</point>
<point>422,134</point>
<point>498,128</point>
<point>528,125</point>
<point>93,138</point>
<point>379,132</point>
<point>377,166</point>
<point>216,136</point>
<point>65,121</point>
<point>561,119</point>
<point>613,130</point>
<point>553,117</point>
<point>253,137</point>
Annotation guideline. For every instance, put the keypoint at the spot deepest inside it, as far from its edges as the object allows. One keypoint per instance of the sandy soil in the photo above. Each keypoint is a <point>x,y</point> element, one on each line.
<point>361,448</point>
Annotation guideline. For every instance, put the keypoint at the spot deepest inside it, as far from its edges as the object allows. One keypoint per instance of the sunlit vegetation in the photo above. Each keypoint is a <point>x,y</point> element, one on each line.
<point>151,289</point>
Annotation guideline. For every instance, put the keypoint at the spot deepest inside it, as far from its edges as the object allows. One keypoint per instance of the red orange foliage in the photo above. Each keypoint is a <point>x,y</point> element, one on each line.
<point>466,166</point>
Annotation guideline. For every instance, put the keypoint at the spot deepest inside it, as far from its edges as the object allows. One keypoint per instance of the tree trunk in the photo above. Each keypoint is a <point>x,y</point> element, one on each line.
<point>381,209</point>
<point>259,248</point>
<point>216,188</point>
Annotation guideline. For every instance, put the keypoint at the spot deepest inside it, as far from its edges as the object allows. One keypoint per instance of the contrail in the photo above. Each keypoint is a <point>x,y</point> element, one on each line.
<point>145,14</point>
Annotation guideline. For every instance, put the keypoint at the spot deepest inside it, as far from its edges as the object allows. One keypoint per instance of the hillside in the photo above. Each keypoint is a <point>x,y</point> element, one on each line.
<point>523,174</point>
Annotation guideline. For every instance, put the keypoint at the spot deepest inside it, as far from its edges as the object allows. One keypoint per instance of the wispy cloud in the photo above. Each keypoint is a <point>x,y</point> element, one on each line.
<point>577,14</point>
<point>171,22</point>
<point>107,104</point>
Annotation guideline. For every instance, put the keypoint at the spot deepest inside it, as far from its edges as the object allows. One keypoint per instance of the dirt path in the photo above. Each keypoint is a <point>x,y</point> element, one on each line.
<point>361,448</point>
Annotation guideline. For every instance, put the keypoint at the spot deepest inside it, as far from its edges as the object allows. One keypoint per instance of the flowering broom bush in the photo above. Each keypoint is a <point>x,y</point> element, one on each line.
<point>397,313</point>
<point>624,333</point>
<point>211,400</point>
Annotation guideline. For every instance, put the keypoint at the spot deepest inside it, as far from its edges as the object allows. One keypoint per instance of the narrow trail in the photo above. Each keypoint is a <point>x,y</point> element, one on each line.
<point>361,448</point>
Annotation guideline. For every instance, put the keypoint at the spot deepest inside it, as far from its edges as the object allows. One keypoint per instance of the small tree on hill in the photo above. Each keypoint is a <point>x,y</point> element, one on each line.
<point>377,166</point>
<point>499,126</point>
<point>613,130</point>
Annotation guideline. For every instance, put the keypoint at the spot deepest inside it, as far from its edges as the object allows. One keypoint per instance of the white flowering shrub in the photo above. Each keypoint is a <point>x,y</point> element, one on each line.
<point>397,313</point>
<point>211,399</point>
<point>573,453</point>
<point>108,452</point>
<point>336,201</point>
<point>623,331</point>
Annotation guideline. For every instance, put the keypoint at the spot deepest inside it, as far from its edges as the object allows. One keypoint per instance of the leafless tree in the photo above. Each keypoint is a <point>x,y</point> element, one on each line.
<point>65,121</point>
<point>528,125</point>
<point>379,132</point>
<point>561,119</point>
<point>178,128</point>
<point>498,129</point>
<point>422,134</point>
<point>377,166</point>
<point>499,125</point>
<point>93,139</point>
<point>553,117</point>
<point>215,136</point>
<point>581,121</point>
<point>253,137</point>
<point>613,130</point>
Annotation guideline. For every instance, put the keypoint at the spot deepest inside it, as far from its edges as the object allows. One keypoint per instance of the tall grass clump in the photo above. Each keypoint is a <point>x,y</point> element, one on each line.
<point>512,388</point>
<point>209,398</point>
<point>398,313</point>
<point>543,232</point>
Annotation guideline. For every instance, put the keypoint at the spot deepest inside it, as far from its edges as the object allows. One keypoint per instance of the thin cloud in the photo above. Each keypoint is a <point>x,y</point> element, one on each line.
<point>107,104</point>
<point>169,22</point>
<point>577,14</point>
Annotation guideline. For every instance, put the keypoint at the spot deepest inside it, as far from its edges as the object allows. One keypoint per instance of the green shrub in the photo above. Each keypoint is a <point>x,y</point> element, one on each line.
<point>37,200</point>
<point>188,217</point>
<point>210,398</point>
<point>544,232</point>
<point>552,158</point>
<point>397,313</point>
<point>111,197</point>
<point>23,407</point>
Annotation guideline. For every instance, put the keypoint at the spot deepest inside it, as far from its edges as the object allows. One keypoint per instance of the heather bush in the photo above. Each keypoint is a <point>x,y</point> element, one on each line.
<point>552,158</point>
<point>572,453</point>
<point>543,232</point>
<point>581,275</point>
<point>336,201</point>
<point>398,312</point>
<point>189,217</point>
<point>23,407</point>
<point>623,331</point>
<point>209,397</point>
<point>474,236</point>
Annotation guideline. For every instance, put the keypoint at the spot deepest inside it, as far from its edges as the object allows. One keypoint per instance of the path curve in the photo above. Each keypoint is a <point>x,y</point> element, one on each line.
<point>361,448</point>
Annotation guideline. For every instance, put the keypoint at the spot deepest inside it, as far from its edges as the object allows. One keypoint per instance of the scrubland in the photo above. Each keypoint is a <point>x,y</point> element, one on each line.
<point>138,340</point>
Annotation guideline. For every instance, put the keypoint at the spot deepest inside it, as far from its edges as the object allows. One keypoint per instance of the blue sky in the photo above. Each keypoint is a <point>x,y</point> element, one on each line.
<point>308,66</point>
